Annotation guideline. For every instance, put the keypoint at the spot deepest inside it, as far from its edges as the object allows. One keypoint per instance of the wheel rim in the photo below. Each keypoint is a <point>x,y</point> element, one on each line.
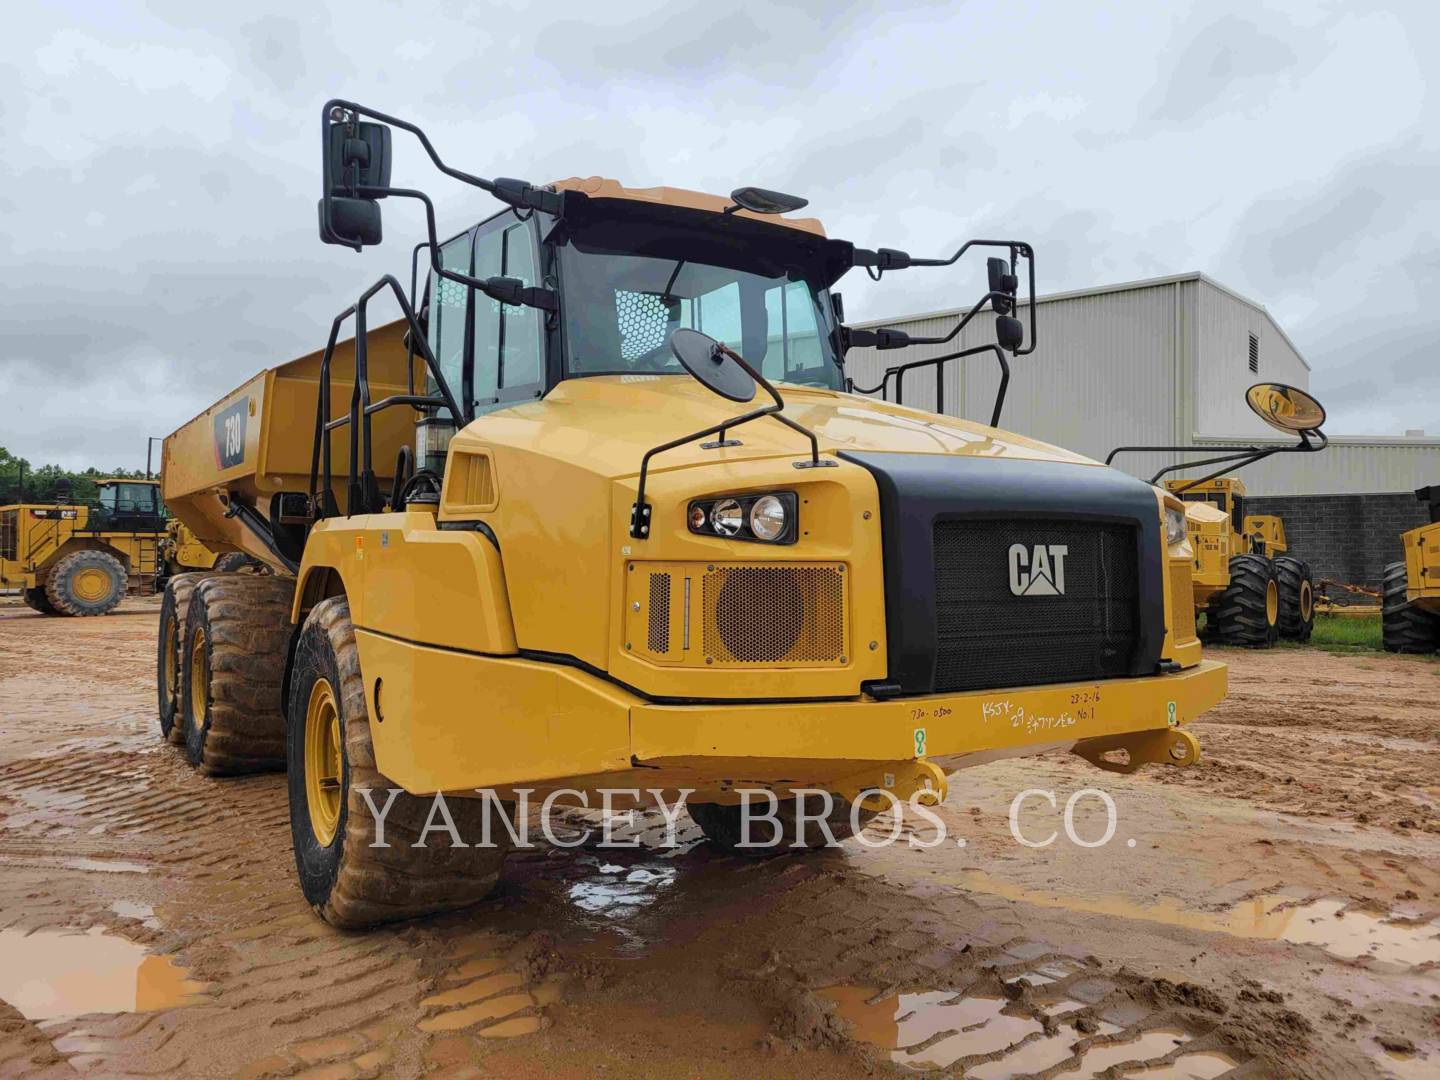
<point>1307,601</point>
<point>91,584</point>
<point>1272,603</point>
<point>171,670</point>
<point>323,762</point>
<point>199,679</point>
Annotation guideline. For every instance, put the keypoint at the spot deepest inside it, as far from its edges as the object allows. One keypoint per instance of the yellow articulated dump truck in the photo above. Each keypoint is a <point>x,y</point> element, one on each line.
<point>81,559</point>
<point>1410,608</point>
<point>598,513</point>
<point>1251,592</point>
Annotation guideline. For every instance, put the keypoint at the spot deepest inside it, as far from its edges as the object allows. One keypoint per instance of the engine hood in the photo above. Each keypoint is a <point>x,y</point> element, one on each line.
<point>606,423</point>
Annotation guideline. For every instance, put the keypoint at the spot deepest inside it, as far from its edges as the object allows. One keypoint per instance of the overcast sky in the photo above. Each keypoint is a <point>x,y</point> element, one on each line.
<point>160,163</point>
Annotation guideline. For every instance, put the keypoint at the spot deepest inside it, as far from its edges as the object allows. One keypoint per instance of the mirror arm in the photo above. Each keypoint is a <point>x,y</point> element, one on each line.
<point>1245,455</point>
<point>892,259</point>
<point>640,510</point>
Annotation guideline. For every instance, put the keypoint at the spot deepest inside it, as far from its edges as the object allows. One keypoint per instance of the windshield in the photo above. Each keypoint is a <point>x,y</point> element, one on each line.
<point>128,498</point>
<point>621,309</point>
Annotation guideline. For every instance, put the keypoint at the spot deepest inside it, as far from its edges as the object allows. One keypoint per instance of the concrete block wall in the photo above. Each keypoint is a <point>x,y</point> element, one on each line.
<point>1346,538</point>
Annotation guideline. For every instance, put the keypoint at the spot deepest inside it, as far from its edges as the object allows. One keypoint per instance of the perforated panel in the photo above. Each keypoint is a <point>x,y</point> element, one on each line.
<point>774,614</point>
<point>644,322</point>
<point>1182,602</point>
<point>658,638</point>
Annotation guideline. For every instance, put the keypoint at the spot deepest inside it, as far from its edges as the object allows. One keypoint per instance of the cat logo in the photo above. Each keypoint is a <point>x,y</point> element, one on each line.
<point>1038,570</point>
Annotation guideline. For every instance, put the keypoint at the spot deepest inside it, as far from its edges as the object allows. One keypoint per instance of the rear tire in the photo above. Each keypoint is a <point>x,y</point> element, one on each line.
<point>174,607</point>
<point>1297,598</point>
<point>1403,626</point>
<point>36,600</point>
<point>723,825</point>
<point>237,633</point>
<point>1247,613</point>
<point>86,583</point>
<point>331,760</point>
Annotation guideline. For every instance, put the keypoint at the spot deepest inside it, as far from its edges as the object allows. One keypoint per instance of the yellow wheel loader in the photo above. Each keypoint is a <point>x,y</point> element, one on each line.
<point>78,559</point>
<point>1410,605</point>
<point>1250,591</point>
<point>598,512</point>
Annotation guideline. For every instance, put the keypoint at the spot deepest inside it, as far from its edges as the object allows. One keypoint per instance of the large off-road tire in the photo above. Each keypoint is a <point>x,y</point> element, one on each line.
<point>1248,612</point>
<point>235,561</point>
<point>723,826</point>
<point>36,600</point>
<point>86,583</point>
<point>1404,627</point>
<point>174,607</point>
<point>331,760</point>
<point>1297,597</point>
<point>237,633</point>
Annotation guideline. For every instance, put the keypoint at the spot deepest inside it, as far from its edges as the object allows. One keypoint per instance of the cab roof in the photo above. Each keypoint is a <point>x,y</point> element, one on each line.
<point>602,187</point>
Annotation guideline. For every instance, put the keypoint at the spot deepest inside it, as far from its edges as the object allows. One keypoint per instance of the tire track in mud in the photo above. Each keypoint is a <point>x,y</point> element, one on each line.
<point>649,960</point>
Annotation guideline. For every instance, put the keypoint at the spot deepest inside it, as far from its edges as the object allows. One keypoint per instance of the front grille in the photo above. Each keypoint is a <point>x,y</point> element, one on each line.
<point>774,615</point>
<point>987,636</point>
<point>658,634</point>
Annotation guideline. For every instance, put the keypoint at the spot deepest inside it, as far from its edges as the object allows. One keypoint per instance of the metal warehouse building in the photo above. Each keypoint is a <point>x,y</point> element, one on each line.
<point>1167,361</point>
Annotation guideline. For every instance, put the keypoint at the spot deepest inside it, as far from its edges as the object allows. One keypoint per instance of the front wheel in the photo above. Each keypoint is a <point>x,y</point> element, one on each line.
<point>1297,598</point>
<point>1247,613</point>
<point>86,583</point>
<point>348,880</point>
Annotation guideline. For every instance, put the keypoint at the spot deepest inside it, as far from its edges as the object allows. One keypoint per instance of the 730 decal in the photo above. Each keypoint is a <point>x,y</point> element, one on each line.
<point>230,434</point>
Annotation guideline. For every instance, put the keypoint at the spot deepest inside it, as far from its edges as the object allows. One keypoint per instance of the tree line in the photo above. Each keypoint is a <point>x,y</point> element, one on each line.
<point>22,482</point>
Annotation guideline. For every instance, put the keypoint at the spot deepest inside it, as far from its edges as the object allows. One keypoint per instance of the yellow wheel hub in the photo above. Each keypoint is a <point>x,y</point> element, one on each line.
<point>170,670</point>
<point>324,762</point>
<point>199,679</point>
<point>1272,603</point>
<point>91,584</point>
<point>1307,601</point>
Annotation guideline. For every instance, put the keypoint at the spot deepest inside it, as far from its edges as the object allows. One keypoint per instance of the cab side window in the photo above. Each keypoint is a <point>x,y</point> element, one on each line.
<point>447,312</point>
<point>509,364</point>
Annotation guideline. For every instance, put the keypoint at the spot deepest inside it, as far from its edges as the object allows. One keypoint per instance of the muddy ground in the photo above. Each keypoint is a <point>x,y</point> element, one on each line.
<point>1270,912</point>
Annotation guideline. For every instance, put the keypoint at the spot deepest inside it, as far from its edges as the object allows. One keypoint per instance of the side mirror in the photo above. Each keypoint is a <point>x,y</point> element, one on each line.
<point>357,157</point>
<point>1009,332</point>
<point>1285,408</point>
<point>1002,281</point>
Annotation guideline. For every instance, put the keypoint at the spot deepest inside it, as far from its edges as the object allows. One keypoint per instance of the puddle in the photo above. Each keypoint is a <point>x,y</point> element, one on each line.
<point>50,974</point>
<point>106,866</point>
<point>133,909</point>
<point>1394,940</point>
<point>621,891</point>
<point>1194,1066</point>
<point>1150,1044</point>
<point>934,1029</point>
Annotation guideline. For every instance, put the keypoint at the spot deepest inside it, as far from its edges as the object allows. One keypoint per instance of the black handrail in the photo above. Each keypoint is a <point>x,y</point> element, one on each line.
<point>361,490</point>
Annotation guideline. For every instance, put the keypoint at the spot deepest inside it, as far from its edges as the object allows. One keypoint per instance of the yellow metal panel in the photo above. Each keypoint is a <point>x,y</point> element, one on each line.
<point>454,721</point>
<point>952,724</point>
<point>1422,566</point>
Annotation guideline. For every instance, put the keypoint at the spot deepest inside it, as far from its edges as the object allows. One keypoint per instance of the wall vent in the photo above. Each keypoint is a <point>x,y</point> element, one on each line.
<point>1254,355</point>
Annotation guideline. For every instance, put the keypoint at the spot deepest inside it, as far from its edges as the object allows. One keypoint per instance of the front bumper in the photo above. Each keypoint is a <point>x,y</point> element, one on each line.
<point>457,721</point>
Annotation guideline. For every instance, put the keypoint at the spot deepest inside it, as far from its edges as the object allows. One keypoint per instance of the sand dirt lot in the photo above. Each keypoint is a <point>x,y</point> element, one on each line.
<point>1271,912</point>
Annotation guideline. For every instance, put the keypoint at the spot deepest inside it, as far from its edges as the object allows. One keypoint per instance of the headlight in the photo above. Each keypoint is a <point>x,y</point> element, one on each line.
<point>726,517</point>
<point>770,518</point>
<point>1175,528</point>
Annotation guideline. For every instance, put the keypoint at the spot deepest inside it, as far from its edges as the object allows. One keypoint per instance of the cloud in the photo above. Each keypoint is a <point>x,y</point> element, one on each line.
<point>158,186</point>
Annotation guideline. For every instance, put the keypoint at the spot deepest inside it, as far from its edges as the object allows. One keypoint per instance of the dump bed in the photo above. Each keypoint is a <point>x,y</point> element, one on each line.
<point>256,442</point>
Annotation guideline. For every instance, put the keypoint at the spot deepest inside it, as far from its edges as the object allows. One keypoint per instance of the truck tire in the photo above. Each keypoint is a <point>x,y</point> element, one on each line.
<point>331,760</point>
<point>174,606</point>
<point>1297,598</point>
<point>36,600</point>
<point>1247,613</point>
<point>86,583</point>
<point>722,826</point>
<point>1405,628</point>
<point>237,633</point>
